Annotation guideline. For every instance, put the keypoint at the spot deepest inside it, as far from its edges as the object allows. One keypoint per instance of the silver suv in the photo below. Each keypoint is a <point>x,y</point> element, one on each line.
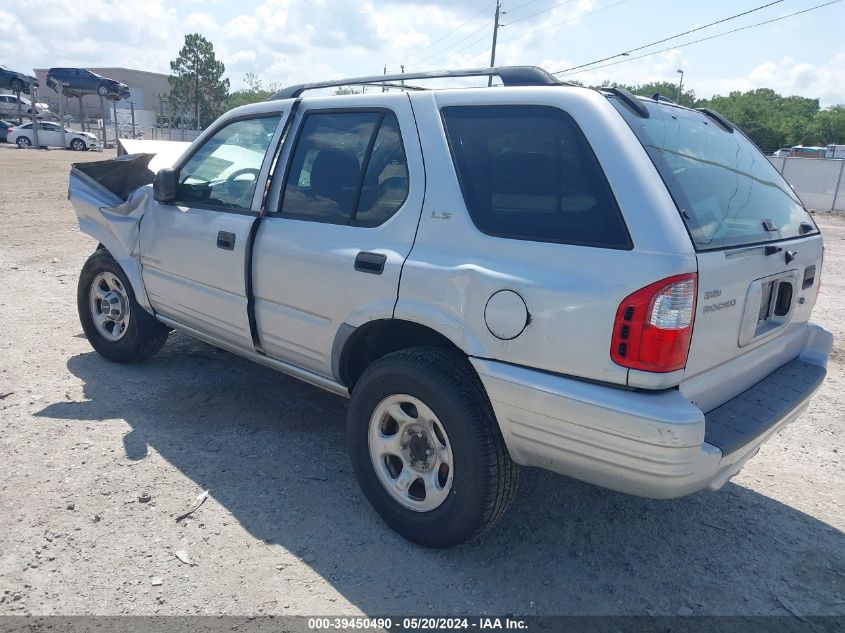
<point>610,287</point>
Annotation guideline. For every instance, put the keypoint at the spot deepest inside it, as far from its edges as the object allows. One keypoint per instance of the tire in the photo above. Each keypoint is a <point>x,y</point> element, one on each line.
<point>16,85</point>
<point>103,90</point>
<point>78,145</point>
<point>23,142</point>
<point>476,492</point>
<point>134,339</point>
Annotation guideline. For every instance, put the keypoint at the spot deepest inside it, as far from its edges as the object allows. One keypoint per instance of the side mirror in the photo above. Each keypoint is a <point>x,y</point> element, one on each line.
<point>164,185</point>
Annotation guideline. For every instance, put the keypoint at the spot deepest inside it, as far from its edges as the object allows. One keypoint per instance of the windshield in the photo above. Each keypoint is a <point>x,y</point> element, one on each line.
<point>727,192</point>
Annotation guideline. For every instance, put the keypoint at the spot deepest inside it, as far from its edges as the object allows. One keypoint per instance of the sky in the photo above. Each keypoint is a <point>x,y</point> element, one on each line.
<point>294,41</point>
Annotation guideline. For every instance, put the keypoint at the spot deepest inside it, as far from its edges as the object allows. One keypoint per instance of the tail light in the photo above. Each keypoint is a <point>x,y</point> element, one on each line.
<point>653,326</point>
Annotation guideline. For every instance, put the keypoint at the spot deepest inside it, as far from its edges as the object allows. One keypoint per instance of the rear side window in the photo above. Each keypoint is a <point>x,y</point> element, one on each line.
<point>347,168</point>
<point>528,173</point>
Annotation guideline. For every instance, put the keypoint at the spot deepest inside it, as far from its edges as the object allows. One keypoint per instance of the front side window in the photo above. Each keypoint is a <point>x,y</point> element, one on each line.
<point>528,173</point>
<point>224,171</point>
<point>347,168</point>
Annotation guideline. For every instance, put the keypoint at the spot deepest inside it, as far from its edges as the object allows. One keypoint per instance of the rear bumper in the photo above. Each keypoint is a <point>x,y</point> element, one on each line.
<point>647,443</point>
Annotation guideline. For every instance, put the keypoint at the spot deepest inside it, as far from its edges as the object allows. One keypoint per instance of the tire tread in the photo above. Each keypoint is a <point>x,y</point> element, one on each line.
<point>461,379</point>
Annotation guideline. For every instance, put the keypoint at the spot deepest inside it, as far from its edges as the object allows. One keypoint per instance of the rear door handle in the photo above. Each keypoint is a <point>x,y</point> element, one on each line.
<point>372,263</point>
<point>226,240</point>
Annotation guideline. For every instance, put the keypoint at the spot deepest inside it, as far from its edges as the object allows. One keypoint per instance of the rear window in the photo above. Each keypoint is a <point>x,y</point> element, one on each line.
<point>528,173</point>
<point>727,192</point>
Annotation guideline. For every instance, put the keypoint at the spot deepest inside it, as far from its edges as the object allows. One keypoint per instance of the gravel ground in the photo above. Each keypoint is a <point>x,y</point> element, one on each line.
<point>286,531</point>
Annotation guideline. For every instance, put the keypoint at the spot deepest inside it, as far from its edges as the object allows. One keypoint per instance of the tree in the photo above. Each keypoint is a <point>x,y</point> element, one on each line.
<point>253,93</point>
<point>347,90</point>
<point>829,126</point>
<point>665,89</point>
<point>196,80</point>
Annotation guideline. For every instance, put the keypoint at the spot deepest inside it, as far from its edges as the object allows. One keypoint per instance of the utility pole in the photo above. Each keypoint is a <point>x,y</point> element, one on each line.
<point>196,86</point>
<point>495,36</point>
<point>680,85</point>
<point>384,88</point>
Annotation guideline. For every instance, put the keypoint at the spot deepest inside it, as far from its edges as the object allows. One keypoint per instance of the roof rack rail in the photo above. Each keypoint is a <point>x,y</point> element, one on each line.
<point>509,75</point>
<point>659,98</point>
<point>718,118</point>
<point>629,99</point>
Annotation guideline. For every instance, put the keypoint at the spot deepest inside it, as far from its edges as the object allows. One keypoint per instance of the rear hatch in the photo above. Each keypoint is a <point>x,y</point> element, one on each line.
<point>759,252</point>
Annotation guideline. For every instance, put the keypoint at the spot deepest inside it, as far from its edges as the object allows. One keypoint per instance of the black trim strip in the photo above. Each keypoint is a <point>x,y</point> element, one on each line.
<point>365,165</point>
<point>253,233</point>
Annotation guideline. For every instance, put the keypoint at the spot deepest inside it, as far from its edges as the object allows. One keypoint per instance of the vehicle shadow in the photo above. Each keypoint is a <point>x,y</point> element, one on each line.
<point>272,451</point>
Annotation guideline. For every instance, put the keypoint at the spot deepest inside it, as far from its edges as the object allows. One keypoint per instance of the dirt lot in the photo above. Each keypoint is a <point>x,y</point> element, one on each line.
<point>285,529</point>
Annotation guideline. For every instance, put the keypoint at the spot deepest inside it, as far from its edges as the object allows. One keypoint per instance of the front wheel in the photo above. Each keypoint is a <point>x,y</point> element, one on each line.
<point>426,448</point>
<point>103,90</point>
<point>77,145</point>
<point>16,85</point>
<point>115,325</point>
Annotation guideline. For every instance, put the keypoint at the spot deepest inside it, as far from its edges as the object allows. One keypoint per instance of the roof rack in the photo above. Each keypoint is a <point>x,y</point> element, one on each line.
<point>629,99</point>
<point>509,75</point>
<point>718,118</point>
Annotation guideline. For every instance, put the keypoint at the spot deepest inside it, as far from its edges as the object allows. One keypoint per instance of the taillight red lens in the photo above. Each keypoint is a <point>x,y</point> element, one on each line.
<point>653,326</point>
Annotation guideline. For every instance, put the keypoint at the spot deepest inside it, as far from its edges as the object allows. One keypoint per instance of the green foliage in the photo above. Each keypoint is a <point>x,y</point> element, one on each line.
<point>666,89</point>
<point>196,81</point>
<point>254,92</point>
<point>771,120</point>
<point>829,126</point>
<point>347,90</point>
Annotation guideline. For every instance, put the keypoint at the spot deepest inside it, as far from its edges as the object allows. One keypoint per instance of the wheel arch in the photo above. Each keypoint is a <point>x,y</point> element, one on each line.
<point>130,266</point>
<point>355,348</point>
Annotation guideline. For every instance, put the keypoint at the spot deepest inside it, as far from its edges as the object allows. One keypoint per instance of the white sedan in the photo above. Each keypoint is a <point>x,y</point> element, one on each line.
<point>50,135</point>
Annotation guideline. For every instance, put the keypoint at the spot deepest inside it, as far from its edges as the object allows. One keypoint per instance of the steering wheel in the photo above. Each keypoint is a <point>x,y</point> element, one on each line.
<point>245,186</point>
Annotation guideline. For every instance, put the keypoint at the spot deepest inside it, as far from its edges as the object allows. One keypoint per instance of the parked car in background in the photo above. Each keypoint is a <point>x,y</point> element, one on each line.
<point>78,82</point>
<point>5,127</point>
<point>9,106</point>
<point>15,81</point>
<point>834,151</point>
<point>50,135</point>
<point>800,151</point>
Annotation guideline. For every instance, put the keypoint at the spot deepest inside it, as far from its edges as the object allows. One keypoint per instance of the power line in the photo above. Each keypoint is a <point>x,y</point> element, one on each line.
<point>460,50</point>
<point>518,7</point>
<point>556,24</point>
<point>666,39</point>
<point>526,17</point>
<point>483,27</point>
<point>704,39</point>
<point>449,34</point>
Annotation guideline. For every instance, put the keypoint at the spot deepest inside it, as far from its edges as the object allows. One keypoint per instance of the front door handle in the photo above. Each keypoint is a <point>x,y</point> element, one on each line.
<point>372,263</point>
<point>226,240</point>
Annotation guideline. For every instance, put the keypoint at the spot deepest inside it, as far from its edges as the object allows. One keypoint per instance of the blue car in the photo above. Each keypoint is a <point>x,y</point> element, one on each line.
<point>15,81</point>
<point>5,126</point>
<point>78,82</point>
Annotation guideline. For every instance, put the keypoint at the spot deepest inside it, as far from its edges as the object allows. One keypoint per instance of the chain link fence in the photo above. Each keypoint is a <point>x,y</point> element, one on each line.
<point>820,183</point>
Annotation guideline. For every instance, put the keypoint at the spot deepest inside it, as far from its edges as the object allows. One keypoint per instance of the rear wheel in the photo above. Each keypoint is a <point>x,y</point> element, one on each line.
<point>115,325</point>
<point>426,448</point>
<point>23,141</point>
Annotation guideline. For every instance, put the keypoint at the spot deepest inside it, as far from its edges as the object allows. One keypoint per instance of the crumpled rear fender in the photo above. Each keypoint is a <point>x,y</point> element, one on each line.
<point>113,218</point>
